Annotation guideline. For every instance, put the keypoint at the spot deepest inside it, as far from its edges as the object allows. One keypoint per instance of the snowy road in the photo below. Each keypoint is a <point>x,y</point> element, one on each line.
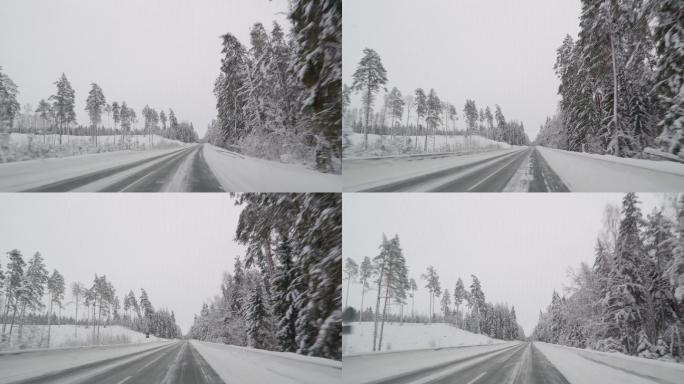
<point>512,170</point>
<point>511,363</point>
<point>177,362</point>
<point>194,168</point>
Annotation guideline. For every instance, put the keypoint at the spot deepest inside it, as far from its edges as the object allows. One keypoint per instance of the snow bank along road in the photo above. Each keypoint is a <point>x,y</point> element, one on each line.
<point>516,169</point>
<point>511,363</point>
<point>168,362</point>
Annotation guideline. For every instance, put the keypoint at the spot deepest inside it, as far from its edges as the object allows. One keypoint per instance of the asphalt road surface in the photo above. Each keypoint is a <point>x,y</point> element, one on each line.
<point>519,364</point>
<point>492,174</point>
<point>184,170</point>
<point>178,363</point>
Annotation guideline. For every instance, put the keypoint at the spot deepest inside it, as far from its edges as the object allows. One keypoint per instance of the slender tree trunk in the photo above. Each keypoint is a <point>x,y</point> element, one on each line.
<point>346,299</point>
<point>76,319</point>
<point>615,96</point>
<point>21,321</point>
<point>384,309</point>
<point>365,129</point>
<point>363,291</point>
<point>14,315</point>
<point>377,307</point>
<point>49,319</point>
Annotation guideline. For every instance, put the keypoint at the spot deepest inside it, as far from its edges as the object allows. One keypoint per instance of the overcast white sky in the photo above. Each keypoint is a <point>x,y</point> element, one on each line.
<point>176,246</point>
<point>493,51</point>
<point>519,245</point>
<point>165,53</point>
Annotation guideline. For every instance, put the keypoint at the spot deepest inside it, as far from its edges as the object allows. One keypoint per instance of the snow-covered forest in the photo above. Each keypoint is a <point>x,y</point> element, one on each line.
<point>631,299</point>
<point>31,295</point>
<point>279,97</point>
<point>52,123</point>
<point>404,117</point>
<point>387,274</point>
<point>621,81</point>
<point>285,293</point>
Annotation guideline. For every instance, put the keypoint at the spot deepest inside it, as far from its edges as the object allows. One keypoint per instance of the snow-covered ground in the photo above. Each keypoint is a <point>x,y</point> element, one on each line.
<point>33,173</point>
<point>35,336</point>
<point>21,146</point>
<point>584,172</point>
<point>242,365</point>
<point>361,174</point>
<point>383,145</point>
<point>408,336</point>
<point>18,366</point>
<point>237,172</point>
<point>580,366</point>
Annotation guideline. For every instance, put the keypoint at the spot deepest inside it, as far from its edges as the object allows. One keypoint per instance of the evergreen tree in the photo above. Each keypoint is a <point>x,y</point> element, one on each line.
<point>370,76</point>
<point>55,286</point>
<point>434,110</point>
<point>95,104</point>
<point>396,277</point>
<point>421,109</point>
<point>63,105</point>
<point>446,302</point>
<point>365,274</point>
<point>285,293</point>
<point>13,287</point>
<point>351,271</point>
<point>257,318</point>
<point>9,106</point>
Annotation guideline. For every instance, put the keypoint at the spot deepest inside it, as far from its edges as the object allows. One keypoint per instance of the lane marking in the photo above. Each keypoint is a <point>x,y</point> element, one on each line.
<point>477,378</point>
<point>162,355</point>
<point>124,380</point>
<point>493,173</point>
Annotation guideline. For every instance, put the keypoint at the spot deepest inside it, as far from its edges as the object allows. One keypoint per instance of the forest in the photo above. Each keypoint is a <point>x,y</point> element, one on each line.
<point>438,117</point>
<point>387,274</point>
<point>284,294</point>
<point>631,299</point>
<point>621,81</point>
<point>279,98</point>
<point>55,117</point>
<point>30,294</point>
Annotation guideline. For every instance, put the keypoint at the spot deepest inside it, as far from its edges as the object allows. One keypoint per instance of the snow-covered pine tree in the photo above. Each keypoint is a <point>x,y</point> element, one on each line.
<point>257,316</point>
<point>34,283</point>
<point>285,294</point>
<point>625,298</point>
<point>446,302</point>
<point>63,105</point>
<point>421,109</point>
<point>9,106</point>
<point>95,103</point>
<point>396,279</point>
<point>369,77</point>
<point>365,274</point>
<point>351,271</point>
<point>668,33</point>
<point>432,118</point>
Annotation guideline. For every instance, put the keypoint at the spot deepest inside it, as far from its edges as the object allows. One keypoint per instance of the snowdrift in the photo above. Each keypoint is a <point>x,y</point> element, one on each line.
<point>35,336</point>
<point>383,145</point>
<point>403,337</point>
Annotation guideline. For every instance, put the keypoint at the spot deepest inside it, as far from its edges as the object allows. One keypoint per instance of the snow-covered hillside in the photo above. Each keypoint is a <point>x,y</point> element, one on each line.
<point>21,146</point>
<point>383,145</point>
<point>35,336</point>
<point>402,337</point>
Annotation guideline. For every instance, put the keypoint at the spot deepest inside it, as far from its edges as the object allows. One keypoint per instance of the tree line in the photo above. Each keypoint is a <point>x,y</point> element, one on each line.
<point>57,116</point>
<point>438,117</point>
<point>621,81</point>
<point>285,294</point>
<point>632,299</point>
<point>281,95</point>
<point>388,275</point>
<point>24,286</point>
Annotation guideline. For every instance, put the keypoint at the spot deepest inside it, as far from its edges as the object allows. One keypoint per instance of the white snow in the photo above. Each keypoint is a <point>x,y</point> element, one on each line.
<point>410,336</point>
<point>22,146</point>
<point>384,145</point>
<point>241,173</point>
<point>364,174</point>
<point>35,336</point>
<point>28,174</point>
<point>25,365</point>
<point>581,366</point>
<point>584,172</point>
<point>239,365</point>
<point>368,368</point>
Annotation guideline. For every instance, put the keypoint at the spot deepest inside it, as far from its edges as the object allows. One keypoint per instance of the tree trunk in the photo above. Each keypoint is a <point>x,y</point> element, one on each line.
<point>615,97</point>
<point>76,319</point>
<point>384,309</point>
<point>361,312</point>
<point>49,318</point>
<point>346,299</point>
<point>377,307</point>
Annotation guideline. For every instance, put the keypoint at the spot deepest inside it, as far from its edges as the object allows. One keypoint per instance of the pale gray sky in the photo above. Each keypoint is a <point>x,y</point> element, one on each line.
<point>176,246</point>
<point>519,245</point>
<point>165,53</point>
<point>493,51</point>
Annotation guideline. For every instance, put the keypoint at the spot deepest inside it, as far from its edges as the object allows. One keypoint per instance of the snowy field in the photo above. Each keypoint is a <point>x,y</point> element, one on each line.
<point>585,172</point>
<point>242,365</point>
<point>383,145</point>
<point>21,146</point>
<point>35,336</point>
<point>580,366</point>
<point>237,172</point>
<point>403,337</point>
